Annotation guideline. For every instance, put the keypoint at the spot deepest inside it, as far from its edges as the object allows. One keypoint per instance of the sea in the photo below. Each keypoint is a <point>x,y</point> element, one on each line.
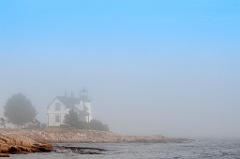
<point>197,149</point>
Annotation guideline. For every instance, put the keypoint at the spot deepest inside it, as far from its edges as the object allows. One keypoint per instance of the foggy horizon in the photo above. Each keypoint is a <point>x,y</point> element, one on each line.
<point>151,67</point>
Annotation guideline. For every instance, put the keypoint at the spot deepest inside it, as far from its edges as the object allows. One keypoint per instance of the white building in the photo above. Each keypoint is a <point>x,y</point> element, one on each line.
<point>61,105</point>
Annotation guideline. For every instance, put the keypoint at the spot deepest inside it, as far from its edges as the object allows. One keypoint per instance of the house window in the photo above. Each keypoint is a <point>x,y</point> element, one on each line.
<point>58,118</point>
<point>57,106</point>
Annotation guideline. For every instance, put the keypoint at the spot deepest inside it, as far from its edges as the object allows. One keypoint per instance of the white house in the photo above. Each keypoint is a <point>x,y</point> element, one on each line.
<point>61,105</point>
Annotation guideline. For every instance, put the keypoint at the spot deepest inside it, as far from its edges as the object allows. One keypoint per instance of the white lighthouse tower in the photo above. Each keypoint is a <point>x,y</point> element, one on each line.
<point>85,102</point>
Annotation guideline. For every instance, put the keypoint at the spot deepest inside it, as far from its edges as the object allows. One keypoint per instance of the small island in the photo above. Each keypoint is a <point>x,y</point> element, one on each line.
<point>69,121</point>
<point>20,141</point>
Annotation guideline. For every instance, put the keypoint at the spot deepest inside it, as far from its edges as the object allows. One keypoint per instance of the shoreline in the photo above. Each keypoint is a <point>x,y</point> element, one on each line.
<point>66,135</point>
<point>22,141</point>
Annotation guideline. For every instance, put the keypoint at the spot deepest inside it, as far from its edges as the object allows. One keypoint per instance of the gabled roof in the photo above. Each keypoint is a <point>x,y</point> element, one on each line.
<point>69,102</point>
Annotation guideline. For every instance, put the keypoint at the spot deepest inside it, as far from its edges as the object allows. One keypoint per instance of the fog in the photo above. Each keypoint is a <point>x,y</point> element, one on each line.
<point>151,67</point>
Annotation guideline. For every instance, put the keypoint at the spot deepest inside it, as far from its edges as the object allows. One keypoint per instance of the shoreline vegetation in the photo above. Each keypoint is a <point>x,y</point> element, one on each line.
<point>21,141</point>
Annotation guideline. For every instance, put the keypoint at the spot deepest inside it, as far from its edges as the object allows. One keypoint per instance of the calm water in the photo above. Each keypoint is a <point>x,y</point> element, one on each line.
<point>203,149</point>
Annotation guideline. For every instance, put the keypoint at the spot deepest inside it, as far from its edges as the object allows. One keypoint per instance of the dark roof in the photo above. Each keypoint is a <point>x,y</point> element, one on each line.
<point>69,102</point>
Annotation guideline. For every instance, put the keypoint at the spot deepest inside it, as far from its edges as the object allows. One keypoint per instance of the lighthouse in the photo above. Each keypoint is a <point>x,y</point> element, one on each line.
<point>85,102</point>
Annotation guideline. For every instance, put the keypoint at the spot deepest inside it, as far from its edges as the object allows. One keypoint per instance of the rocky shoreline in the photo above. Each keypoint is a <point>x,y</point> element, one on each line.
<point>18,144</point>
<point>64,135</point>
<point>36,140</point>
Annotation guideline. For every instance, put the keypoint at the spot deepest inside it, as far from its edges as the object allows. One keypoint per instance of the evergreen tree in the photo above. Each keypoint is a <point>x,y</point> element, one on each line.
<point>71,118</point>
<point>19,110</point>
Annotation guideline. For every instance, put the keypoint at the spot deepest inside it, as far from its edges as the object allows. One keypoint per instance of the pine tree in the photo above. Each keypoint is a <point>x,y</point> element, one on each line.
<point>19,110</point>
<point>71,118</point>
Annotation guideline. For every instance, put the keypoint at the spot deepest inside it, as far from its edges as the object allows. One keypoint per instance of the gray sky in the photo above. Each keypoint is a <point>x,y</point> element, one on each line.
<point>151,67</point>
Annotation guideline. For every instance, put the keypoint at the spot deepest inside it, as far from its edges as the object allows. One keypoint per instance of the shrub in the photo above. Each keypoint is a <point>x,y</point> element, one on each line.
<point>98,125</point>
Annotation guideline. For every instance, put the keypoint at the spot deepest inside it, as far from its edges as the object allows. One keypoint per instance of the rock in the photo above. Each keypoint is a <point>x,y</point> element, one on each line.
<point>79,150</point>
<point>58,135</point>
<point>18,144</point>
<point>29,140</point>
<point>4,155</point>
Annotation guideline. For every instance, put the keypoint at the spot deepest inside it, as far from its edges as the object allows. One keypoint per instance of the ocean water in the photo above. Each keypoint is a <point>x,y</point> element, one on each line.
<point>202,149</point>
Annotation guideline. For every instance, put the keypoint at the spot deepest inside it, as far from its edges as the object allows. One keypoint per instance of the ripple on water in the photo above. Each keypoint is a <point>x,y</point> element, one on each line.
<point>205,149</point>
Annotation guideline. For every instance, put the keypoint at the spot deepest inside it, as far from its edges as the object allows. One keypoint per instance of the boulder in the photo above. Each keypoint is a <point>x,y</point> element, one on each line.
<point>18,144</point>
